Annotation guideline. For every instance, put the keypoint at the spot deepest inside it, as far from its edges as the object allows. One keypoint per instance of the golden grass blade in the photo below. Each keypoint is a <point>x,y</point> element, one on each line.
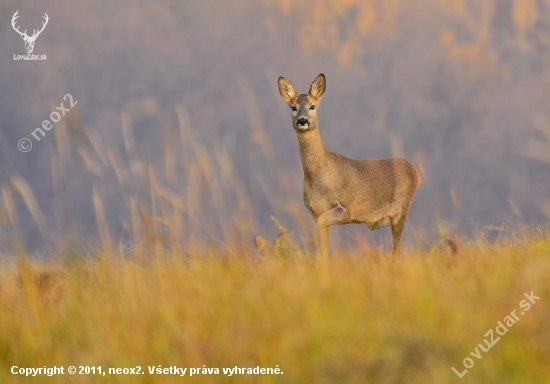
<point>103,228</point>
<point>9,203</point>
<point>258,134</point>
<point>121,173</point>
<point>128,134</point>
<point>31,203</point>
<point>62,140</point>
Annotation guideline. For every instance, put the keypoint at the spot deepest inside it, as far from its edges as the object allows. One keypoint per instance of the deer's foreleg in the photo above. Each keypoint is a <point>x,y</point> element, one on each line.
<point>337,215</point>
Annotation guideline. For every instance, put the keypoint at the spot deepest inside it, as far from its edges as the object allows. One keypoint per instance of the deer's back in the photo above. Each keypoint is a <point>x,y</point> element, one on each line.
<point>382,177</point>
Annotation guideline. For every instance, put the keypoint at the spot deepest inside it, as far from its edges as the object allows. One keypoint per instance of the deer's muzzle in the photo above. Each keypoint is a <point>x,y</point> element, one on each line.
<point>302,122</point>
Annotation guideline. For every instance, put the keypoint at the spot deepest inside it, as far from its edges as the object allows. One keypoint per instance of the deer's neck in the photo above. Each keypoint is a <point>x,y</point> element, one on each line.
<point>312,152</point>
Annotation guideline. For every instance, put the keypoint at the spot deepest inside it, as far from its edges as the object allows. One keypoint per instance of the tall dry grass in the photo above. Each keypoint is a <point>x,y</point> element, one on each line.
<point>364,319</point>
<point>174,280</point>
<point>188,195</point>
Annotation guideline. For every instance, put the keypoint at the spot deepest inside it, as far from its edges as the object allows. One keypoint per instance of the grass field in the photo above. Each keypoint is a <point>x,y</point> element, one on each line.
<point>126,234</point>
<point>363,318</point>
<point>178,294</point>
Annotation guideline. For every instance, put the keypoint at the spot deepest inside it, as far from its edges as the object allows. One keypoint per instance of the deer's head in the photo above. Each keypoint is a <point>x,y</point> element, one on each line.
<point>29,40</point>
<point>304,106</point>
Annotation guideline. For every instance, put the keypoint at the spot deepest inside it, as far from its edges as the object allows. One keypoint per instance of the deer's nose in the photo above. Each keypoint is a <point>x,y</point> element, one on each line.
<point>302,121</point>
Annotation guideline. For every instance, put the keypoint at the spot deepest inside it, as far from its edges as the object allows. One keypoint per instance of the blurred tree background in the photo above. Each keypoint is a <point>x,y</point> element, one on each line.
<point>179,115</point>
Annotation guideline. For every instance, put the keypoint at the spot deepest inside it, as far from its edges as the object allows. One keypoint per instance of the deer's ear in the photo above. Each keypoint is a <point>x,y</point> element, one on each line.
<point>286,89</point>
<point>318,87</point>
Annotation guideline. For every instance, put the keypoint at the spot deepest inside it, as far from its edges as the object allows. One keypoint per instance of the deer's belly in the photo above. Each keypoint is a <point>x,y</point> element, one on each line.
<point>376,217</point>
<point>383,222</point>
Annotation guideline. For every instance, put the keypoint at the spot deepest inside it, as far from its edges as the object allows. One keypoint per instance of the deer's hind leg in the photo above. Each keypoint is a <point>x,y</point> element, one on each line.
<point>402,203</point>
<point>397,226</point>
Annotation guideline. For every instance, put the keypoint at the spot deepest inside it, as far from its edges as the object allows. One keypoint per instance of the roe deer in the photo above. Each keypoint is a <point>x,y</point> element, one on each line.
<point>338,190</point>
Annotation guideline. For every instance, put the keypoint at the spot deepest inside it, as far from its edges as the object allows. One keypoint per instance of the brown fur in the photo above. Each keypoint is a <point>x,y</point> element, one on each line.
<point>338,190</point>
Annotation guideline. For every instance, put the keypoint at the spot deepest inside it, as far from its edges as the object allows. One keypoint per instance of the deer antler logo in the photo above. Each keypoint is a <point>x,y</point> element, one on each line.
<point>29,40</point>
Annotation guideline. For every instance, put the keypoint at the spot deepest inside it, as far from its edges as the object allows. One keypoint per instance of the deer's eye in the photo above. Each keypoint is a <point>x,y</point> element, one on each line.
<point>294,109</point>
<point>312,107</point>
